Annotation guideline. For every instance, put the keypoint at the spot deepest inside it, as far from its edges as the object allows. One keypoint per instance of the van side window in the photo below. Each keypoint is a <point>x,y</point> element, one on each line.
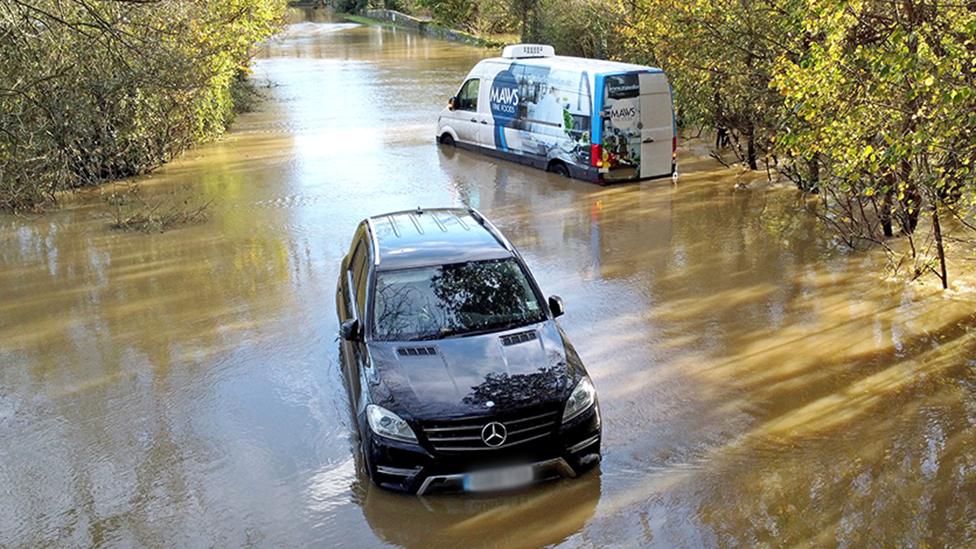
<point>468,96</point>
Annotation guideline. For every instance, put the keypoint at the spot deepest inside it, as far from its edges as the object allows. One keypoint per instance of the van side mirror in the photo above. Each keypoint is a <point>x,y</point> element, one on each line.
<point>351,330</point>
<point>451,103</point>
<point>556,306</point>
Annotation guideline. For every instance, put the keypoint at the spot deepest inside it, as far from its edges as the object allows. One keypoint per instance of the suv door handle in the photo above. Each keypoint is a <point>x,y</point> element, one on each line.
<point>484,122</point>
<point>648,140</point>
<point>474,119</point>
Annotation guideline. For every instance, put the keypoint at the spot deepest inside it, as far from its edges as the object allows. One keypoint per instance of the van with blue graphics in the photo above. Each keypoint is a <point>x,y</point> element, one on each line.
<point>601,121</point>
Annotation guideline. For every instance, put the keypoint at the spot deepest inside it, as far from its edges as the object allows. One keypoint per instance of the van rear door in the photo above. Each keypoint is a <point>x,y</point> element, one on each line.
<point>657,128</point>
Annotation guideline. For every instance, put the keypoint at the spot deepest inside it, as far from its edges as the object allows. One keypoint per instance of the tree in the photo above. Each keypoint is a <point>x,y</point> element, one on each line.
<point>101,89</point>
<point>720,57</point>
<point>885,104</point>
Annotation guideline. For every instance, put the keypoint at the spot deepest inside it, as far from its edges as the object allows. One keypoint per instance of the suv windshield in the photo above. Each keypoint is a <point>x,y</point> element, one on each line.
<point>452,300</point>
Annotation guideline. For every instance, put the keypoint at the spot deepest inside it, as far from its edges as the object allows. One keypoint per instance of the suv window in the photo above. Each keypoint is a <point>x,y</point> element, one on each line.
<point>357,266</point>
<point>468,96</point>
<point>453,300</point>
<point>362,280</point>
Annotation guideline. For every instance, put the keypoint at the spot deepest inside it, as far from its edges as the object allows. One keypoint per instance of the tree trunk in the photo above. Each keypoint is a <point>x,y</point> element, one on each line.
<point>940,248</point>
<point>751,148</point>
<point>886,209</point>
<point>912,203</point>
<point>813,184</point>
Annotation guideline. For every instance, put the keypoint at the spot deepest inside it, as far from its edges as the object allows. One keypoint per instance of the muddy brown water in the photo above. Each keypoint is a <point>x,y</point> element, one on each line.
<point>758,384</point>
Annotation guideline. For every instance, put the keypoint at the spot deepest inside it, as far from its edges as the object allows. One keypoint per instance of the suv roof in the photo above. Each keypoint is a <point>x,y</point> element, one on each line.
<point>438,236</point>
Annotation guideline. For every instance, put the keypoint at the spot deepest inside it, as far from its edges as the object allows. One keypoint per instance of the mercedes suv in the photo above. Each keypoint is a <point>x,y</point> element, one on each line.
<point>459,377</point>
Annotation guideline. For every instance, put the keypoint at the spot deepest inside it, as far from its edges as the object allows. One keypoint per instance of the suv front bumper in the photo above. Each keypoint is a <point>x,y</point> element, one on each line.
<point>412,468</point>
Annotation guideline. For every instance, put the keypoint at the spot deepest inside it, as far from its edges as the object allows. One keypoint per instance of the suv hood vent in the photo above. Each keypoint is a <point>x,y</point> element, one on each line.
<point>416,351</point>
<point>520,337</point>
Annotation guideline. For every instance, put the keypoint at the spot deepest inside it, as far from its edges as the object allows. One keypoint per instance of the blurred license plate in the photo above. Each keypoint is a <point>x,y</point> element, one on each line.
<point>498,479</point>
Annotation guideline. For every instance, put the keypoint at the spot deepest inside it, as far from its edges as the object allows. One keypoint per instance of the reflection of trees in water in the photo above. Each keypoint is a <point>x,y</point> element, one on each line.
<point>456,299</point>
<point>894,483</point>
<point>404,312</point>
<point>485,289</point>
<point>505,390</point>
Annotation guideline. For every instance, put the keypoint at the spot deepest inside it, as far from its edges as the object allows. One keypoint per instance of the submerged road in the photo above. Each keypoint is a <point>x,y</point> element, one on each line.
<point>758,384</point>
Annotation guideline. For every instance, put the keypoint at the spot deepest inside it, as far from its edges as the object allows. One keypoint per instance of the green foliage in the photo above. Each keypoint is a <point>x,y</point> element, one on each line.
<point>453,13</point>
<point>356,6</point>
<point>720,57</point>
<point>883,98</point>
<point>579,27</point>
<point>476,16</point>
<point>870,103</point>
<point>95,90</point>
<point>573,27</point>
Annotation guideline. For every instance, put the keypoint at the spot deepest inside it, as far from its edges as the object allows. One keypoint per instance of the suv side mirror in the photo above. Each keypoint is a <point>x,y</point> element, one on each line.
<point>452,103</point>
<point>556,306</point>
<point>351,330</point>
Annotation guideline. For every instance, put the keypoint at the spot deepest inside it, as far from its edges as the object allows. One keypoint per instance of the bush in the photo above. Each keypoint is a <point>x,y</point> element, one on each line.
<point>578,27</point>
<point>351,6</point>
<point>131,212</point>
<point>92,90</point>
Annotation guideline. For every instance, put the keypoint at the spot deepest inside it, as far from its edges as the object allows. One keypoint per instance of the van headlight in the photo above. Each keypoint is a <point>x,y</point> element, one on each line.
<point>387,424</point>
<point>583,396</point>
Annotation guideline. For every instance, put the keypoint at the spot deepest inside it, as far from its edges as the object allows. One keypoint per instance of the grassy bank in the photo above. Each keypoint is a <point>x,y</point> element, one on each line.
<point>95,90</point>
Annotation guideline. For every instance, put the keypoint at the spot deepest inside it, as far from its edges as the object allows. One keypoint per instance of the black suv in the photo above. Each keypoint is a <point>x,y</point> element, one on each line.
<point>458,375</point>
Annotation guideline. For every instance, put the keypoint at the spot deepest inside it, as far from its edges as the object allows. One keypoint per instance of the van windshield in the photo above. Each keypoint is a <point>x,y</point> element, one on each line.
<point>453,300</point>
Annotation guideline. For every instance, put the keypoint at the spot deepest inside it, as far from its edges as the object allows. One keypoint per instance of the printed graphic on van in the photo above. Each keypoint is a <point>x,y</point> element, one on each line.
<point>621,120</point>
<point>542,112</point>
<point>503,99</point>
<point>602,121</point>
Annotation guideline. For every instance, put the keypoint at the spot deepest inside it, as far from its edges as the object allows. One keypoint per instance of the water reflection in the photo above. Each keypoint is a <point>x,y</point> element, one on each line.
<point>534,518</point>
<point>510,390</point>
<point>757,385</point>
<point>453,300</point>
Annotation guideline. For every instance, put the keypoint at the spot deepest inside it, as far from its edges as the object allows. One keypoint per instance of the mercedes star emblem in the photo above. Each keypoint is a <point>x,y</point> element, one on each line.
<point>494,434</point>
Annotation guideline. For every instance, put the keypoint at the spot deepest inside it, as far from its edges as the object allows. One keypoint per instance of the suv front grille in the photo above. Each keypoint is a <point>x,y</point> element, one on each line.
<point>465,435</point>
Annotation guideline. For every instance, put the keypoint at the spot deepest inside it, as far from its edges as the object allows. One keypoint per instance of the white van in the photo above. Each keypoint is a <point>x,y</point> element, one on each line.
<point>600,121</point>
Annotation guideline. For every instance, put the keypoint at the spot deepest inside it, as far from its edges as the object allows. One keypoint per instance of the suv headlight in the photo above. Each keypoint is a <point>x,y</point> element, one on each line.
<point>583,396</point>
<point>387,424</point>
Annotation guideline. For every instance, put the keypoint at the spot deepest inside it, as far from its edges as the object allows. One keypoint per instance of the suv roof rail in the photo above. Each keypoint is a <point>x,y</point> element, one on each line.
<point>373,240</point>
<point>483,221</point>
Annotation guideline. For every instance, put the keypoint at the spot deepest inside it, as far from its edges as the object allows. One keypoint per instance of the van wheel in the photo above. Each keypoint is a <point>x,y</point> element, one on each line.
<point>446,139</point>
<point>559,169</point>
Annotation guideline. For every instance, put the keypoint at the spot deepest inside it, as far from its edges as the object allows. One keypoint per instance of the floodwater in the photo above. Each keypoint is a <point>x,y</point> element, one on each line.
<point>759,385</point>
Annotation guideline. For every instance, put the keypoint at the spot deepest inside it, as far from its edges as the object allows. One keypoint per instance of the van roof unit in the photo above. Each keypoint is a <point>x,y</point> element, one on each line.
<point>593,66</point>
<point>528,51</point>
